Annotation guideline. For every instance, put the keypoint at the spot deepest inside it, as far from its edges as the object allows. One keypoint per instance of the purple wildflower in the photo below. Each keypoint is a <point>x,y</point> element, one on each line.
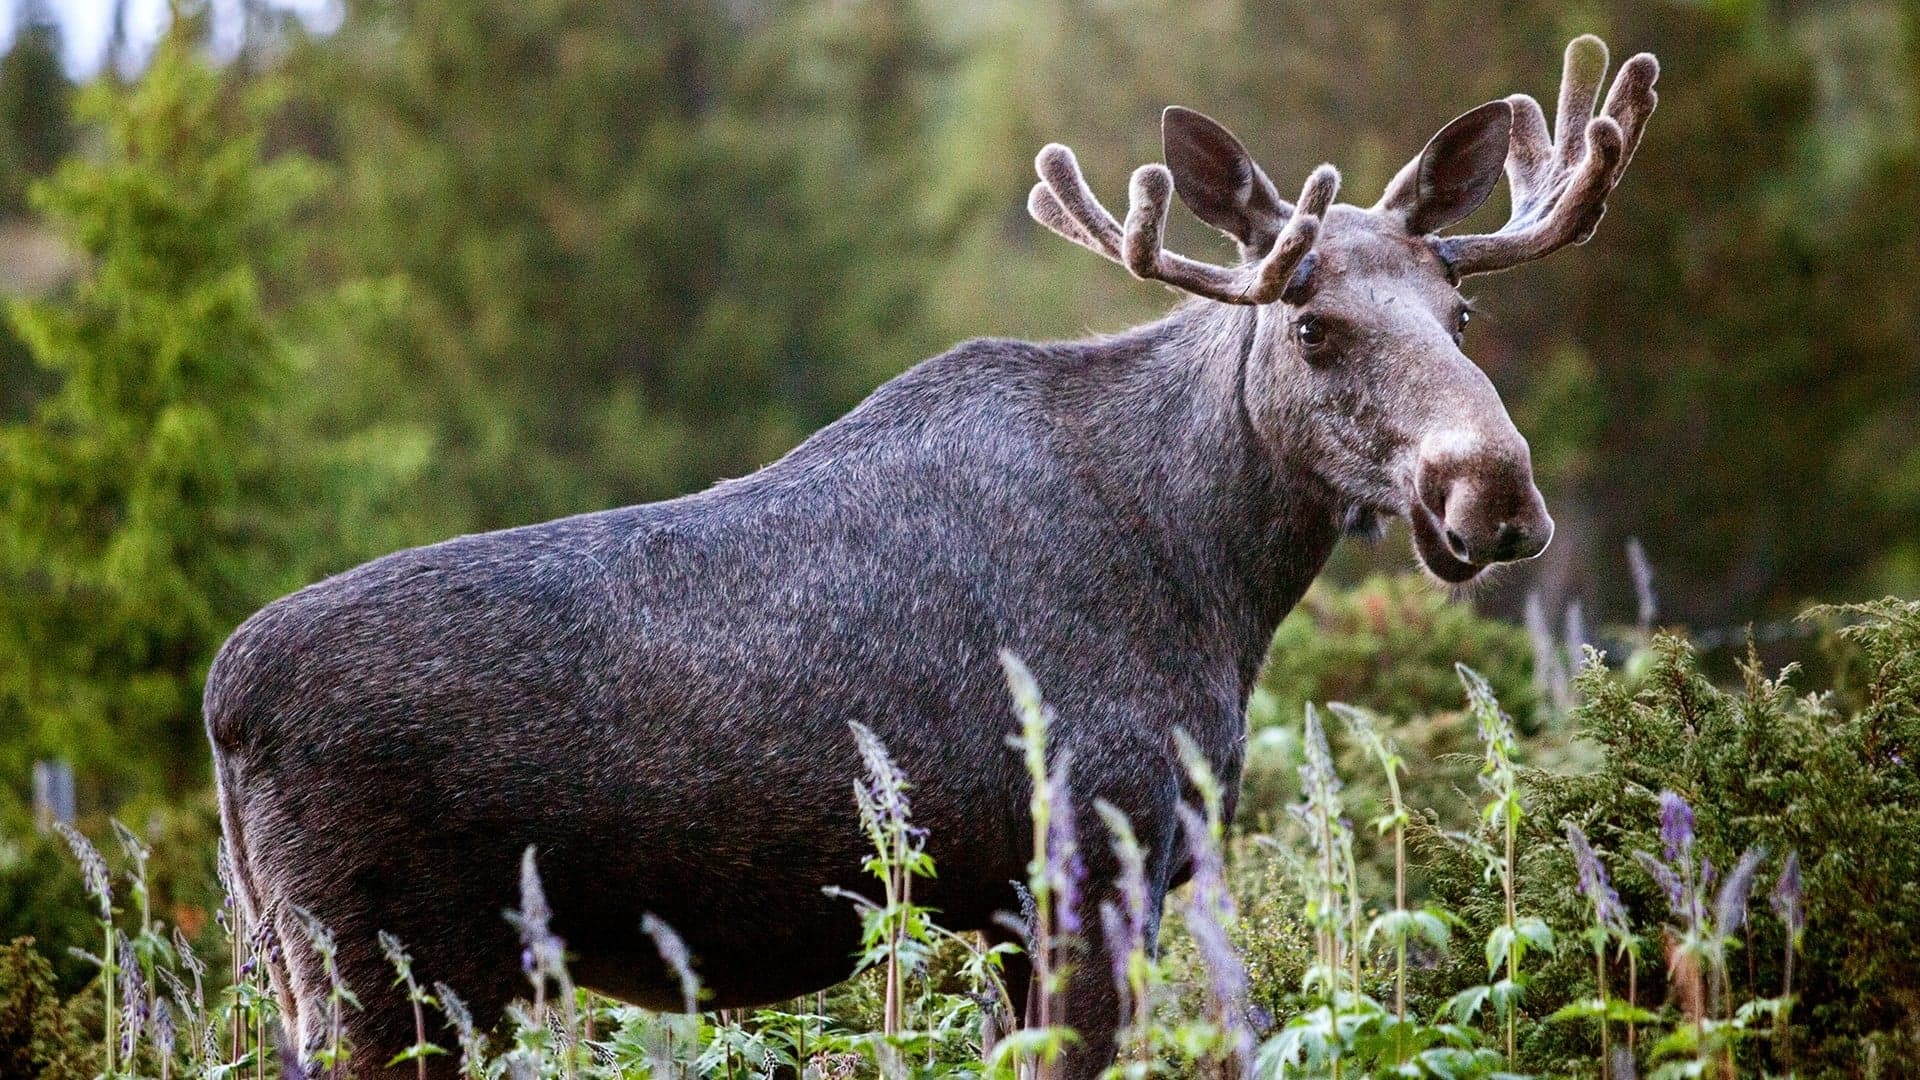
<point>883,795</point>
<point>1066,870</point>
<point>192,962</point>
<point>473,1044</point>
<point>1118,935</point>
<point>1318,772</point>
<point>1208,911</point>
<point>396,954</point>
<point>1788,898</point>
<point>262,945</point>
<point>1125,927</point>
<point>1730,906</point>
<point>1676,828</point>
<point>1550,669</point>
<point>1319,810</point>
<point>1576,635</point>
<point>136,850</point>
<point>1668,880</point>
<point>542,953</point>
<point>133,1000</point>
<point>93,868</point>
<point>674,952</point>
<point>164,1032</point>
<point>182,997</point>
<point>1594,885</point>
<point>1641,568</point>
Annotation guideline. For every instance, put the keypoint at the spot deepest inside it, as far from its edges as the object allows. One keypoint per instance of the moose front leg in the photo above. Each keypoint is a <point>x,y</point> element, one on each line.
<point>1116,911</point>
<point>1095,1000</point>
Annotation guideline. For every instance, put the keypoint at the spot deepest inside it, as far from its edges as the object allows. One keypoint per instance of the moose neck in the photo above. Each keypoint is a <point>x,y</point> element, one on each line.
<point>1236,525</point>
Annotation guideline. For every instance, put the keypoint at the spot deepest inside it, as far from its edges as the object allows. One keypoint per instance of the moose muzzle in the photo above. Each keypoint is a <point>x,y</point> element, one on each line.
<point>1476,505</point>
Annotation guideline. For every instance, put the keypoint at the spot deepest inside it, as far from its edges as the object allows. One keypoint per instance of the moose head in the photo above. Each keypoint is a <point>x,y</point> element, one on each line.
<point>1357,358</point>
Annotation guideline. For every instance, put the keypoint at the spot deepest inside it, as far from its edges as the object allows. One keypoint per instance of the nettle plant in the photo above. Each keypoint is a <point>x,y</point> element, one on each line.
<point>934,1003</point>
<point>1660,887</point>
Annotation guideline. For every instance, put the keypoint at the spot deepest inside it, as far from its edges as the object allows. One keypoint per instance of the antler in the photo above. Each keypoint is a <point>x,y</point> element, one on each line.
<point>1560,184</point>
<point>1063,202</point>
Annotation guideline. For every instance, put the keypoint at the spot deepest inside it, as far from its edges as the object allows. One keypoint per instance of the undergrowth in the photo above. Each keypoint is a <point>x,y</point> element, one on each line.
<point>1733,890</point>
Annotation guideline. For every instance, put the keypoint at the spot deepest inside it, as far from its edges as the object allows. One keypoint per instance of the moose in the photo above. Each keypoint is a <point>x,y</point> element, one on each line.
<point>657,698</point>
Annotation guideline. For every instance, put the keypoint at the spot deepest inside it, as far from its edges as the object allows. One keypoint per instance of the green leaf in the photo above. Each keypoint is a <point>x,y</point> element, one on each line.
<point>1536,932</point>
<point>413,1053</point>
<point>1499,943</point>
<point>1464,1005</point>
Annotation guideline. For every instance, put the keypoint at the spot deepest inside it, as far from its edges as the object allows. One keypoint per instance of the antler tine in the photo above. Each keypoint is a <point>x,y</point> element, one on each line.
<point>1046,209</point>
<point>1560,182</point>
<point>1150,194</point>
<point>1632,100</point>
<point>1582,71</point>
<point>1061,171</point>
<point>1303,228</point>
<point>1064,203</point>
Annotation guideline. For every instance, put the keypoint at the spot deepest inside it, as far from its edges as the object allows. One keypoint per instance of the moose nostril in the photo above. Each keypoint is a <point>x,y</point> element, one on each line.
<point>1509,540</point>
<point>1457,544</point>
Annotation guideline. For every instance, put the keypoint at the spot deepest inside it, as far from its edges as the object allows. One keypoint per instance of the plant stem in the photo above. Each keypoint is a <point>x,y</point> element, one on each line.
<point>1600,980</point>
<point>1786,994</point>
<point>239,959</point>
<point>1353,908</point>
<point>1400,940</point>
<point>112,1014</point>
<point>419,1032</point>
<point>890,1013</point>
<point>1513,968</point>
<point>1633,999</point>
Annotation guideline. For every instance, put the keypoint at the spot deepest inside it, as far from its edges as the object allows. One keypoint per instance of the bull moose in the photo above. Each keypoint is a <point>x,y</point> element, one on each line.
<point>658,697</point>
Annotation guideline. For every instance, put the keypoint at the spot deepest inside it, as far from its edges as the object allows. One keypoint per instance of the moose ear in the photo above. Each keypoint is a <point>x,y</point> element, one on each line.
<point>1455,173</point>
<point>1218,180</point>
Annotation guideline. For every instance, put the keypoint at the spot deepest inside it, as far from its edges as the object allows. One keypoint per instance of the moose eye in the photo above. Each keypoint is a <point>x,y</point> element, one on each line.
<point>1460,323</point>
<point>1310,331</point>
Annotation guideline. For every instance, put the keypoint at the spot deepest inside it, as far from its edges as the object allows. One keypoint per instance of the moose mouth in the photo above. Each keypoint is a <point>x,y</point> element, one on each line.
<point>1430,545</point>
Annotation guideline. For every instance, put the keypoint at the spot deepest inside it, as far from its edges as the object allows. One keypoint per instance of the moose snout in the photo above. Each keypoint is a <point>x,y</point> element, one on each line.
<point>1487,506</point>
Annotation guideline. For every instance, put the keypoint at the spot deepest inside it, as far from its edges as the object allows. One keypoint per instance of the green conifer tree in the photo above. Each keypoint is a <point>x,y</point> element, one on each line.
<point>164,489</point>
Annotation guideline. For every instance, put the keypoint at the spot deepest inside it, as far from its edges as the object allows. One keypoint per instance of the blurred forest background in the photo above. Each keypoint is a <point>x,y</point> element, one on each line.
<point>288,290</point>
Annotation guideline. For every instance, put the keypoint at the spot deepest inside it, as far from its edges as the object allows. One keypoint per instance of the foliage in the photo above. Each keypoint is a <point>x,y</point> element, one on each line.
<point>1389,644</point>
<point>39,1035</point>
<point>1392,643</point>
<point>1762,769</point>
<point>1750,832</point>
<point>35,130</point>
<point>570,265</point>
<point>41,897</point>
<point>606,266</point>
<point>160,494</point>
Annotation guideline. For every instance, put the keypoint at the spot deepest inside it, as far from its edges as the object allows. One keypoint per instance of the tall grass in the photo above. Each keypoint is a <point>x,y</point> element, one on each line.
<point>929,1003</point>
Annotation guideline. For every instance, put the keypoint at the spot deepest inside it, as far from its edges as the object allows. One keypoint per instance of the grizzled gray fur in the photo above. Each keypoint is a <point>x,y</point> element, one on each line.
<point>657,697</point>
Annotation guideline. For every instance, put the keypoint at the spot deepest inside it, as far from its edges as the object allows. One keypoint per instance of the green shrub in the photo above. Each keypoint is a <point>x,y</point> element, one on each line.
<point>1389,644</point>
<point>40,1036</point>
<point>167,486</point>
<point>1763,767</point>
<point>41,899</point>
